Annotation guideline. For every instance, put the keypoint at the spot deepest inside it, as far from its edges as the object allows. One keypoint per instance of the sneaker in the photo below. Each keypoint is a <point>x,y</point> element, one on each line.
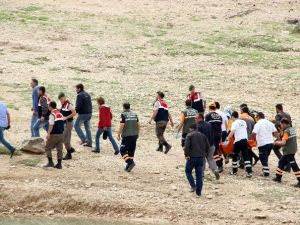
<point>160,148</point>
<point>117,152</point>
<point>126,168</point>
<point>277,179</point>
<point>83,142</point>
<point>130,167</point>
<point>72,150</point>
<point>249,175</point>
<point>87,145</point>
<point>168,148</point>
<point>193,189</point>
<point>265,174</point>
<point>198,194</point>
<point>217,175</point>
<point>49,165</point>
<point>96,151</point>
<point>58,166</point>
<point>297,185</point>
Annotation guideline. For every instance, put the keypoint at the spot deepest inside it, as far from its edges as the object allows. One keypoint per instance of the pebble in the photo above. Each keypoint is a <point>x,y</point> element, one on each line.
<point>174,188</point>
<point>260,217</point>
<point>209,197</point>
<point>50,212</point>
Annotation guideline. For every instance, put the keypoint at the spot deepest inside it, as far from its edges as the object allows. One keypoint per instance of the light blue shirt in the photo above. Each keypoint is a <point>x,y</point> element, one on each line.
<point>3,115</point>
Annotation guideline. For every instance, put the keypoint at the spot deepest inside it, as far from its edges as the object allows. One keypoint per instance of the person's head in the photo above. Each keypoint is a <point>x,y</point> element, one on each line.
<point>217,105</point>
<point>212,106</point>
<point>100,101</point>
<point>42,90</point>
<point>245,109</point>
<point>62,97</point>
<point>199,118</point>
<point>160,95</point>
<point>52,105</point>
<point>193,127</point>
<point>235,115</point>
<point>192,89</point>
<point>79,88</point>
<point>126,106</point>
<point>284,123</point>
<point>279,108</point>
<point>243,105</point>
<point>260,115</point>
<point>188,103</point>
<point>34,83</point>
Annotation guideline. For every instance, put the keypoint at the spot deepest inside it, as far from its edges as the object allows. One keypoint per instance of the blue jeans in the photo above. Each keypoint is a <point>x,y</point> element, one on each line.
<point>39,124</point>
<point>110,137</point>
<point>34,118</point>
<point>197,164</point>
<point>4,142</point>
<point>84,119</point>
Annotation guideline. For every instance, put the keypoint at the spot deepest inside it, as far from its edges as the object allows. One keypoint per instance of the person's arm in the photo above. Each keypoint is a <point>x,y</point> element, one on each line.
<point>8,119</point>
<point>44,108</point>
<point>35,100</point>
<point>138,127</point>
<point>51,125</point>
<point>171,120</point>
<point>73,112</point>
<point>121,127</point>
<point>181,122</point>
<point>283,141</point>
<point>187,147</point>
<point>79,103</point>
<point>154,114</point>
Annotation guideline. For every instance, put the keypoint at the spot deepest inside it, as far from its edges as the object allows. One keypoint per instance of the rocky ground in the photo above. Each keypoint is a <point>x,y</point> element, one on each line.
<point>233,51</point>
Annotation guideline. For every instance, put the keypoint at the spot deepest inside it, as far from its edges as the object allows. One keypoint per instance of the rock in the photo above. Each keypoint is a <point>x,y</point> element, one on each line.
<point>209,197</point>
<point>11,210</point>
<point>50,212</point>
<point>174,188</point>
<point>139,215</point>
<point>260,217</point>
<point>34,145</point>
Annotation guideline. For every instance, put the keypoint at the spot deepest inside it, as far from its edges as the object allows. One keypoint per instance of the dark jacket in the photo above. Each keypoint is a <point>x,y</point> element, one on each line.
<point>206,129</point>
<point>83,103</point>
<point>196,145</point>
<point>280,116</point>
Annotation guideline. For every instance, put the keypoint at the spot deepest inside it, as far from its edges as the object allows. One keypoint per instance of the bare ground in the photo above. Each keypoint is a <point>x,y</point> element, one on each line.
<point>234,51</point>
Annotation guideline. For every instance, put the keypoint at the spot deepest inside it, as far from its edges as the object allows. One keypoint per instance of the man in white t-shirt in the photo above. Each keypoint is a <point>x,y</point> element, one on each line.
<point>263,133</point>
<point>239,131</point>
<point>5,125</point>
<point>224,121</point>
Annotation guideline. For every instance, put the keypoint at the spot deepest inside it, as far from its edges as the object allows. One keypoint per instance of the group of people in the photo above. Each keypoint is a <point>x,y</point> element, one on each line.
<point>203,134</point>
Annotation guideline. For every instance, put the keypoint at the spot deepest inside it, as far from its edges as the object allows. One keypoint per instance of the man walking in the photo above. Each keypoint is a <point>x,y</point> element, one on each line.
<point>84,109</point>
<point>198,103</point>
<point>289,144</point>
<point>35,104</point>
<point>68,111</point>
<point>55,136</point>
<point>129,131</point>
<point>216,121</point>
<point>5,125</point>
<point>104,125</point>
<point>206,129</point>
<point>195,150</point>
<point>187,118</point>
<point>161,116</point>
<point>43,112</point>
<point>239,130</point>
<point>263,133</point>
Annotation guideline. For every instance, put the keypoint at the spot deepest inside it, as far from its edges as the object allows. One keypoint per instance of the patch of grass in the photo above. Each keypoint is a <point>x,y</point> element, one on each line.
<point>12,106</point>
<point>4,151</point>
<point>35,62</point>
<point>31,8</point>
<point>78,69</point>
<point>29,162</point>
<point>54,69</point>
<point>6,16</point>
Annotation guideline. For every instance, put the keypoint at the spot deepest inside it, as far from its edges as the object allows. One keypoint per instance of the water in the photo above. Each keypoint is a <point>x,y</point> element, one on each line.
<point>60,221</point>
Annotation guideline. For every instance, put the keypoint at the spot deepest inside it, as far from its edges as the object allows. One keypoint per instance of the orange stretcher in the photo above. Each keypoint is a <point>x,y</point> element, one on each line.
<point>227,148</point>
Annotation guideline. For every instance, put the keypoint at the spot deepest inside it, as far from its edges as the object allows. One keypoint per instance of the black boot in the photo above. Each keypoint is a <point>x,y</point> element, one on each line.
<point>72,150</point>
<point>277,179</point>
<point>68,156</point>
<point>160,148</point>
<point>168,147</point>
<point>50,163</point>
<point>58,165</point>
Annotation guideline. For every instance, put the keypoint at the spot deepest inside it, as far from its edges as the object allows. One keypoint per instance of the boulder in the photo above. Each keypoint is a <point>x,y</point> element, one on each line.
<point>34,145</point>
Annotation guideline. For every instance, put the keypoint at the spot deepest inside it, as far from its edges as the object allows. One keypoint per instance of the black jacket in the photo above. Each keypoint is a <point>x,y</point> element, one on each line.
<point>196,145</point>
<point>83,103</point>
<point>206,129</point>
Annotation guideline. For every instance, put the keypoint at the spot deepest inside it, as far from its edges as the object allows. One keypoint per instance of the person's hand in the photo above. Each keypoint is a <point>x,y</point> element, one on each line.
<point>187,158</point>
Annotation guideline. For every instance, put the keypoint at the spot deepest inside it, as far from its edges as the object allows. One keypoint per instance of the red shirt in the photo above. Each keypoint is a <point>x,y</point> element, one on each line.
<point>105,116</point>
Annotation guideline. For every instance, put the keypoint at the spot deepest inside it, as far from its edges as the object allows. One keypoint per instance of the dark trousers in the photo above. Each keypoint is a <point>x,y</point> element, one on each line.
<point>241,146</point>
<point>264,152</point>
<point>217,155</point>
<point>197,164</point>
<point>160,130</point>
<point>285,160</point>
<point>128,146</point>
<point>183,139</point>
<point>224,135</point>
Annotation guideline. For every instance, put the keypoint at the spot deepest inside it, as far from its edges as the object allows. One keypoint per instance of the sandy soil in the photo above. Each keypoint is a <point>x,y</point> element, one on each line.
<point>233,51</point>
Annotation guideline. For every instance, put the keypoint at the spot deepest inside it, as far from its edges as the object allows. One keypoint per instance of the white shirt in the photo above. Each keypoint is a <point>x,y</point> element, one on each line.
<point>224,119</point>
<point>239,128</point>
<point>264,130</point>
<point>3,115</point>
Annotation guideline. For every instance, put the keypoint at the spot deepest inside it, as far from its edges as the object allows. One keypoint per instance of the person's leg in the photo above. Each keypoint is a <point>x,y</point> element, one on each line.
<point>217,156</point>
<point>59,147</point>
<point>45,125</point>
<point>125,145</point>
<point>158,132</point>
<point>98,135</point>
<point>131,152</point>
<point>36,128</point>
<point>34,118</point>
<point>245,154</point>
<point>67,139</point>
<point>263,156</point>
<point>50,144</point>
<point>78,129</point>
<point>280,169</point>
<point>210,159</point>
<point>199,178</point>
<point>235,153</point>
<point>112,140</point>
<point>87,127</point>
<point>277,152</point>
<point>189,166</point>
<point>4,142</point>
<point>292,161</point>
<point>183,139</point>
